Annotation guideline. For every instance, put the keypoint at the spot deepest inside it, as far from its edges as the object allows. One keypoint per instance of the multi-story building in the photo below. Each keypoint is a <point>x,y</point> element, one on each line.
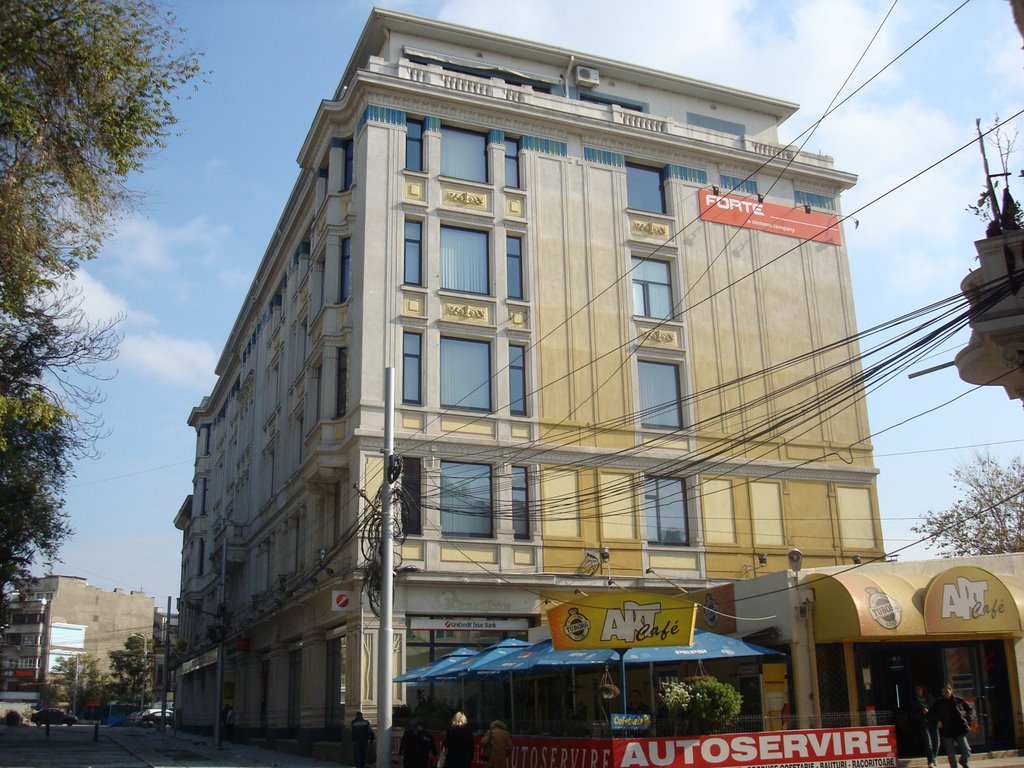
<point>53,617</point>
<point>620,314</point>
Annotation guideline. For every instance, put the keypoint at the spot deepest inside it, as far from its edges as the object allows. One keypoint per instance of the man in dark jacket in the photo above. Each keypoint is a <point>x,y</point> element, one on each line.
<point>954,717</point>
<point>362,735</point>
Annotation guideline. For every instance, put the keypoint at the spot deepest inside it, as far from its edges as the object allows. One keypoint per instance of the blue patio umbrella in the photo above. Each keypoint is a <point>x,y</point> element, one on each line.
<point>542,655</point>
<point>417,675</point>
<point>706,645</point>
<point>476,666</point>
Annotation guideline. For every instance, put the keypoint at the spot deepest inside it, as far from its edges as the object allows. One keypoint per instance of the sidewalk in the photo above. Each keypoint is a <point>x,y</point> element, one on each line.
<point>28,746</point>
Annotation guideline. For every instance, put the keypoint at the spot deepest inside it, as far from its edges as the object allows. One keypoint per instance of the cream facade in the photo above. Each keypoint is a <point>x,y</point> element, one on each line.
<point>615,307</point>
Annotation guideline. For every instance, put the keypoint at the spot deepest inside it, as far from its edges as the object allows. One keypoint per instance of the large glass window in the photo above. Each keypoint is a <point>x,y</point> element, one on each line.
<point>465,499</point>
<point>414,145</point>
<point>412,371</point>
<point>665,511</point>
<point>413,269</point>
<point>517,379</point>
<point>341,400</point>
<point>512,163</point>
<point>643,188</point>
<point>465,374</point>
<point>652,288</point>
<point>463,154</point>
<point>345,278</point>
<point>464,262</point>
<point>659,395</point>
<point>520,503</point>
<point>514,266</point>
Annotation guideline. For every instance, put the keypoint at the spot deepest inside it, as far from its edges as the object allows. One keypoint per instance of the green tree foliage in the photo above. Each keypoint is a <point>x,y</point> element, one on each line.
<point>129,670</point>
<point>701,704</point>
<point>988,516</point>
<point>79,674</point>
<point>85,98</point>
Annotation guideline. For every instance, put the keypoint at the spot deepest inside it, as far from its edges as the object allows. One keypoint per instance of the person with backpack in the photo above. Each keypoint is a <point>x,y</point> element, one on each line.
<point>954,718</point>
<point>497,744</point>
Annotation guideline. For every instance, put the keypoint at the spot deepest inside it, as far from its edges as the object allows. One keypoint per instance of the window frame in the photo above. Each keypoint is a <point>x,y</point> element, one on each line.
<point>520,495</point>
<point>649,410</point>
<point>414,141</point>
<point>345,271</point>
<point>517,377</point>
<point>458,266</point>
<point>453,141</point>
<point>514,267</point>
<point>410,360</point>
<point>643,307</point>
<point>473,484</point>
<point>412,495</point>
<point>638,191</point>
<point>512,162</point>
<point>341,384</point>
<point>447,381</point>
<point>653,519</point>
<point>406,243</point>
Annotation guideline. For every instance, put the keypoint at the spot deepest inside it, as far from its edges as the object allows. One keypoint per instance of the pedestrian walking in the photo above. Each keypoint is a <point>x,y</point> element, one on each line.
<point>954,717</point>
<point>416,746</point>
<point>362,737</point>
<point>920,705</point>
<point>458,743</point>
<point>497,745</point>
<point>228,721</point>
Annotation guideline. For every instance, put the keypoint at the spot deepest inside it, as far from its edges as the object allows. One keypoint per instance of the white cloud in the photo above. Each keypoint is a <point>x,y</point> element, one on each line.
<point>100,304</point>
<point>215,165</point>
<point>179,362</point>
<point>142,246</point>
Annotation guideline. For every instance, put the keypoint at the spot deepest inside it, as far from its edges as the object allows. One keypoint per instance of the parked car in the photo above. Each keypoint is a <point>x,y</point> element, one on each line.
<point>53,717</point>
<point>152,716</point>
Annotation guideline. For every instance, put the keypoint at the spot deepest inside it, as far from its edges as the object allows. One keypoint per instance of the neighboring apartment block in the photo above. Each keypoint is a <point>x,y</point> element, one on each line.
<point>54,617</point>
<point>618,312</point>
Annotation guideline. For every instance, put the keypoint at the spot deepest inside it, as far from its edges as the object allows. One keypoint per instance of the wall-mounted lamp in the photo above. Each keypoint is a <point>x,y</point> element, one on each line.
<point>581,592</point>
<point>856,559</point>
<point>604,553</point>
<point>714,189</point>
<point>650,571</point>
<point>762,558</point>
<point>807,208</point>
<point>760,198</point>
<point>329,571</point>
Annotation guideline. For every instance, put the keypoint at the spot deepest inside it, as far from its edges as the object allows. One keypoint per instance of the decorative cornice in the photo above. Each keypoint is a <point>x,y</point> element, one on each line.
<point>604,156</point>
<point>685,173</point>
<point>378,114</point>
<point>495,136</point>
<point>547,146</point>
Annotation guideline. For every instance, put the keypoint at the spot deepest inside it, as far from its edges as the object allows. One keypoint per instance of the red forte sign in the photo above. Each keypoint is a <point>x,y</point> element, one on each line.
<point>768,217</point>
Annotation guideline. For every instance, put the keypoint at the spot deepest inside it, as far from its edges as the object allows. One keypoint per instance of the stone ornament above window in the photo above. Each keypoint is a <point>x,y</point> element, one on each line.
<point>462,198</point>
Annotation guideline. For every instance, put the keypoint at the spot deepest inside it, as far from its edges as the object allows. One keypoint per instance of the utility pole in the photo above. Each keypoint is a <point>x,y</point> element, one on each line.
<point>167,667</point>
<point>385,634</point>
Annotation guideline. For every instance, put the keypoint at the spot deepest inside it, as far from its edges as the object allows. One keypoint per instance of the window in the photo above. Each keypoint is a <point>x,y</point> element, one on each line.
<point>652,288</point>
<point>414,145</point>
<point>813,199</point>
<point>603,98</point>
<point>413,269</point>
<point>346,174</point>
<point>464,264</point>
<point>665,511</point>
<point>412,516</point>
<point>517,379</point>
<point>659,395</point>
<point>465,374</point>
<point>643,189</point>
<point>463,154</point>
<point>520,503</point>
<point>512,163</point>
<point>736,184</point>
<point>514,266</point>
<point>411,368</point>
<point>715,124</point>
<point>341,396</point>
<point>345,277</point>
<point>465,499</point>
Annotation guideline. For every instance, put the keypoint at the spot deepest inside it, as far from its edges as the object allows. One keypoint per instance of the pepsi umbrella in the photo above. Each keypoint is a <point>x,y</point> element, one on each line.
<point>475,665</point>
<point>706,645</point>
<point>542,655</point>
<point>417,675</point>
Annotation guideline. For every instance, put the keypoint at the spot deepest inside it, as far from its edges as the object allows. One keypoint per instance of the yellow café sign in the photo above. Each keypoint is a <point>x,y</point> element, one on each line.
<point>622,620</point>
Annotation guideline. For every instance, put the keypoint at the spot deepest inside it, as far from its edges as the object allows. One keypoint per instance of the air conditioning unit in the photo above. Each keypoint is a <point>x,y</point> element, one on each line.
<point>587,77</point>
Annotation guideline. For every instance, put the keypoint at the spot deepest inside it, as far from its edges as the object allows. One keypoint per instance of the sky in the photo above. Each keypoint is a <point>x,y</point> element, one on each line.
<point>178,266</point>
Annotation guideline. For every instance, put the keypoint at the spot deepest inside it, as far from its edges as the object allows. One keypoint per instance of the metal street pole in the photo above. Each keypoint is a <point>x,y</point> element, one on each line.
<point>385,633</point>
<point>167,666</point>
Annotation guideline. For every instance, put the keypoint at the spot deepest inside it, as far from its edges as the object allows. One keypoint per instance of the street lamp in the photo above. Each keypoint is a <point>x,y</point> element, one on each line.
<point>145,651</point>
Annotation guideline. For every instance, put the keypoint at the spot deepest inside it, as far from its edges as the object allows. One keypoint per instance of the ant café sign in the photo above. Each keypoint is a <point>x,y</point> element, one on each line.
<point>622,620</point>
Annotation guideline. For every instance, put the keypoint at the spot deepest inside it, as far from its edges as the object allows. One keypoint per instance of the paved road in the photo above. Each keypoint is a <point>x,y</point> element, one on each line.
<point>28,746</point>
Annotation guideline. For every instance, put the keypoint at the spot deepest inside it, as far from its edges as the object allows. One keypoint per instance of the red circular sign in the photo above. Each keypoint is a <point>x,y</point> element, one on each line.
<point>341,601</point>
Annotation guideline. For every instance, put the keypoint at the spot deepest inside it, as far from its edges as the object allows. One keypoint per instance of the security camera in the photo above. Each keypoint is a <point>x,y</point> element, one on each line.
<point>796,559</point>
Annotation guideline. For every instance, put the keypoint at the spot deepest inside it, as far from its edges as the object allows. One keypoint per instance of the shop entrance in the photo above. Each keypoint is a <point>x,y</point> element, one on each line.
<point>888,672</point>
